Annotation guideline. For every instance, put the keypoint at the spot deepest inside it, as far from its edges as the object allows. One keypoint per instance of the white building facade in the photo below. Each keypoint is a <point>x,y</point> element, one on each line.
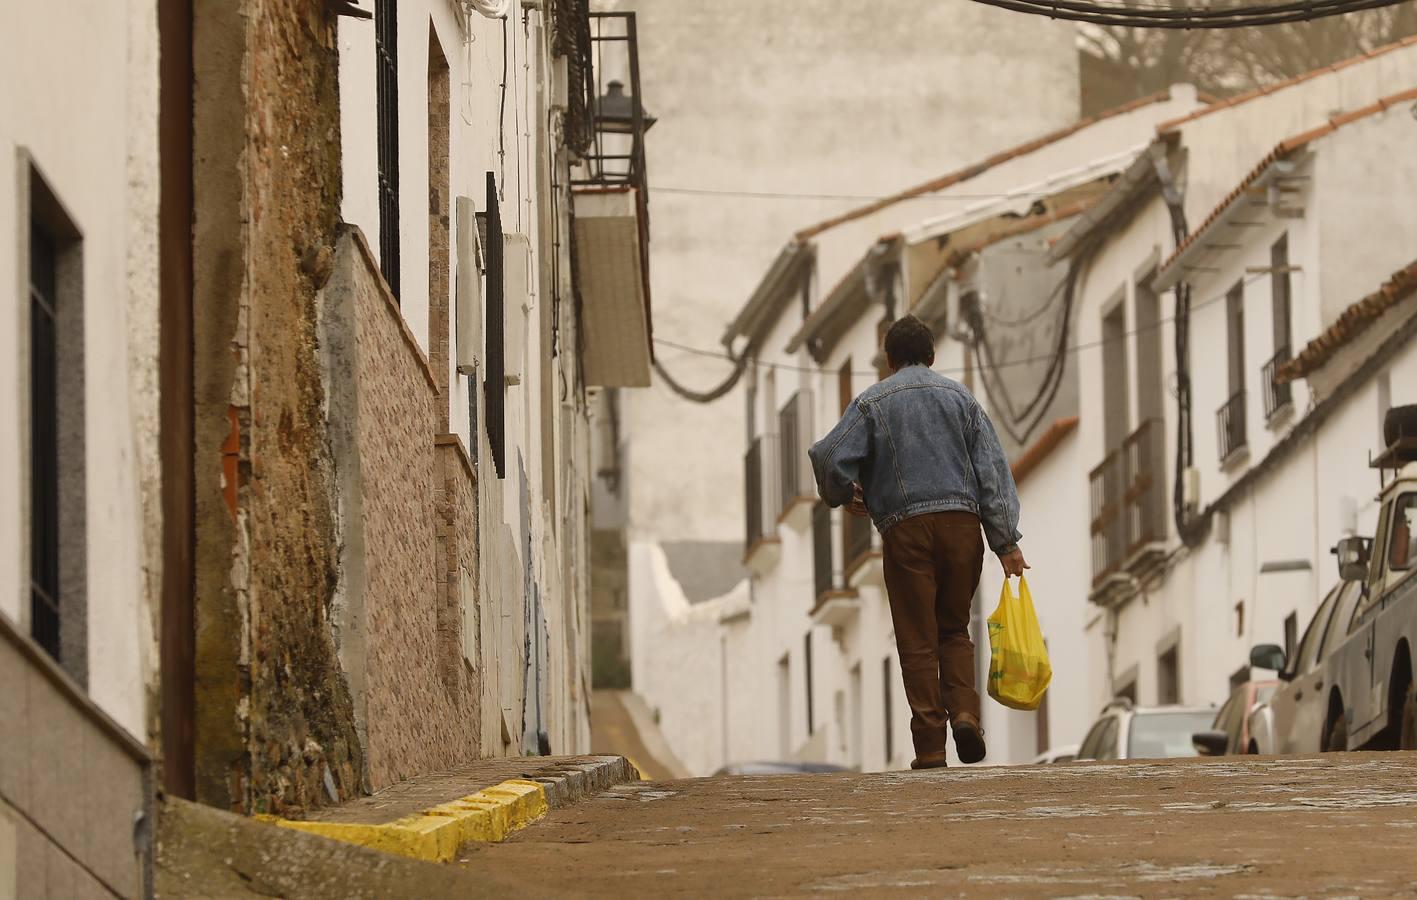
<point>1289,196</point>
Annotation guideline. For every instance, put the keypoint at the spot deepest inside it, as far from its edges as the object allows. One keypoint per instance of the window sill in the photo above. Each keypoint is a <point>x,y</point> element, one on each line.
<point>1280,417</point>
<point>1236,459</point>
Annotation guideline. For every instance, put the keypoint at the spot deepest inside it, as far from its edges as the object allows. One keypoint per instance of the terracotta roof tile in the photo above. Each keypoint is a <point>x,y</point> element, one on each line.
<point>970,171</point>
<point>1281,150</point>
<point>1279,86</point>
<point>1352,322</point>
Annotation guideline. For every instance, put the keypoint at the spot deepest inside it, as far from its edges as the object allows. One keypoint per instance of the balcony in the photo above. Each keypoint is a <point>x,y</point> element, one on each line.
<point>794,428</point>
<point>611,221</point>
<point>761,544</point>
<point>1278,395</point>
<point>1127,500</point>
<point>833,604</point>
<point>1230,429</point>
<point>858,545</point>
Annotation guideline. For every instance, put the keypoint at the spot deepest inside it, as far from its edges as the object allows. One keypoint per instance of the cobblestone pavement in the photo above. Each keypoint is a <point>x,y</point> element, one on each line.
<point>1332,826</point>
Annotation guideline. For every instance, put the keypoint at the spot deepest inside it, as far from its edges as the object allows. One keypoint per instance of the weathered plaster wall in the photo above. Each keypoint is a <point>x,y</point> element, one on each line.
<point>275,726</point>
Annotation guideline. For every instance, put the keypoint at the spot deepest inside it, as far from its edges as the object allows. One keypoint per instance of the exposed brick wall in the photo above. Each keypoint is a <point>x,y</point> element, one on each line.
<point>421,700</point>
<point>439,205</point>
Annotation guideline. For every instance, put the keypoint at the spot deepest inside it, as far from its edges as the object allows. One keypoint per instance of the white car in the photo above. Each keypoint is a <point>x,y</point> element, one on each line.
<point>1124,731</point>
<point>1065,753</point>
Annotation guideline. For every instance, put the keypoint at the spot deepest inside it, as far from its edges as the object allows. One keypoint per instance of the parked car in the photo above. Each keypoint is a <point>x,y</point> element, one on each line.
<point>1295,718</point>
<point>1124,731</point>
<point>778,768</point>
<point>1368,695</point>
<point>1229,734</point>
<point>1065,753</point>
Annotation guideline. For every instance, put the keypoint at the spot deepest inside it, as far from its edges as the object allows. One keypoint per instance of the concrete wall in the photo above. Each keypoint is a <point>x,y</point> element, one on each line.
<point>91,134</point>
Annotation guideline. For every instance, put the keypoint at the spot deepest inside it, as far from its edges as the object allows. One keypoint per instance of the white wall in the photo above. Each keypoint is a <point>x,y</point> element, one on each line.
<point>517,532</point>
<point>92,132</point>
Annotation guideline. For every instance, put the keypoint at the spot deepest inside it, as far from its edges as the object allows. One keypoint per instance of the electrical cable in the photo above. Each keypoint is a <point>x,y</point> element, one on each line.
<point>502,122</point>
<point>1186,19</point>
<point>861,198</point>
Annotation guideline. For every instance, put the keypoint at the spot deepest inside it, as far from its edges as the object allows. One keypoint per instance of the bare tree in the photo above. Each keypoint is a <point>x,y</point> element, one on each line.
<point>1120,64</point>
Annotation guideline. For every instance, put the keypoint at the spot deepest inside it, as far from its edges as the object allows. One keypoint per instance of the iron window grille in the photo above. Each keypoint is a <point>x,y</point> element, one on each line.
<point>1230,426</point>
<point>44,443</point>
<point>386,52</point>
<point>1277,394</point>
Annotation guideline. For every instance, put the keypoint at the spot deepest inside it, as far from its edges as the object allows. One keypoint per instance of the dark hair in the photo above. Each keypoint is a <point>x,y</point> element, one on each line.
<point>910,342</point>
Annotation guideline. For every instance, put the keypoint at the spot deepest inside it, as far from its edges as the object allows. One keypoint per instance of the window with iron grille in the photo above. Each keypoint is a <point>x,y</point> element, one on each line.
<point>56,426</point>
<point>44,442</point>
<point>494,409</point>
<point>386,50</point>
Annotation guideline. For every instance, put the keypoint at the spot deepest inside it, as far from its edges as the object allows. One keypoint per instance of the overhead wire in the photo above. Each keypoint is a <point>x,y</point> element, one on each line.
<point>1187,19</point>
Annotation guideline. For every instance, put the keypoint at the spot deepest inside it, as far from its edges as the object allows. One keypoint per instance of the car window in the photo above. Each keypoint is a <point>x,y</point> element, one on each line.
<point>1088,750</point>
<point>1313,636</point>
<point>1107,747</point>
<point>1402,542</point>
<point>1229,714</point>
<point>1342,621</point>
<point>1375,565</point>
<point>1166,735</point>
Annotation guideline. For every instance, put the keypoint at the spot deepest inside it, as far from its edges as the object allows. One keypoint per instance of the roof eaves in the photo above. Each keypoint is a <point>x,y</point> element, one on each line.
<point>770,290</point>
<point>975,169</point>
<point>1352,322</point>
<point>1173,124</point>
<point>836,302</point>
<point>1168,275</point>
<point>1138,177</point>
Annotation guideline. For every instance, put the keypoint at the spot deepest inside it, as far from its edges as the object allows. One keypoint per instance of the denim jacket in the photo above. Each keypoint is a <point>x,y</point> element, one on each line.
<point>919,443</point>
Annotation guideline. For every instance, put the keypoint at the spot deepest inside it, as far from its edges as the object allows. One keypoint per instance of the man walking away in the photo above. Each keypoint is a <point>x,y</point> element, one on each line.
<point>917,453</point>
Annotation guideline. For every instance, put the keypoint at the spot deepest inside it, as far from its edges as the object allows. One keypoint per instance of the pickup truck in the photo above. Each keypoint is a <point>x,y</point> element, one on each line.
<point>1366,679</point>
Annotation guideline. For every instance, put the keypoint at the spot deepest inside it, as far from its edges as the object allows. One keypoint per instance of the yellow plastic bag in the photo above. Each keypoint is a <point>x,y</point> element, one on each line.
<point>1019,670</point>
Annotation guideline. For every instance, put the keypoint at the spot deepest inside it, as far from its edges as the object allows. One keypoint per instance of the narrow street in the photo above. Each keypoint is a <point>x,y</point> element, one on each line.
<point>1328,826</point>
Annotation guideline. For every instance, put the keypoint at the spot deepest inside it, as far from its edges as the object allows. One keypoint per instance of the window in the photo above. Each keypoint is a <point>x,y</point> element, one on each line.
<point>1239,676</point>
<point>494,409</point>
<point>1313,637</point>
<point>1107,741</point>
<point>1168,676</point>
<point>1291,634</point>
<point>1240,619</point>
<point>1092,744</point>
<point>386,52</point>
<point>1115,402</point>
<point>784,706</point>
<point>55,465</point>
<point>1165,735</point>
<point>1402,546</point>
<point>1150,390</point>
<point>1230,419</point>
<point>1338,627</point>
<point>1280,291</point>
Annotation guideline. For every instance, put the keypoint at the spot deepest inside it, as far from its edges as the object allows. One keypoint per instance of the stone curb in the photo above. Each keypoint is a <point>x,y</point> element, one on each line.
<point>492,814</point>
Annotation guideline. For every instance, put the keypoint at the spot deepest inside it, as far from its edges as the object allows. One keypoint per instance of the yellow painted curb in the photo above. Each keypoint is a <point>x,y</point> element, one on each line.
<point>436,833</point>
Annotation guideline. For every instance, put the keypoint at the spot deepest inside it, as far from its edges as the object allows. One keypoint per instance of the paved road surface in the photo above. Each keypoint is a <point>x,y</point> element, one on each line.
<point>1333,826</point>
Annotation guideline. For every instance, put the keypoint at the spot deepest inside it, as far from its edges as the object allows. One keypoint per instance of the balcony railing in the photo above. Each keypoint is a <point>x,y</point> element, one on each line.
<point>822,580</point>
<point>1144,468</point>
<point>760,482</point>
<point>1230,426</point>
<point>856,540</point>
<point>1127,499</point>
<point>794,428</point>
<point>1277,395</point>
<point>1108,526</point>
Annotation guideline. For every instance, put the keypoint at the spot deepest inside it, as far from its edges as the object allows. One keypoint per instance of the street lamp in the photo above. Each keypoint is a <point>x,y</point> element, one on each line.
<point>615,111</point>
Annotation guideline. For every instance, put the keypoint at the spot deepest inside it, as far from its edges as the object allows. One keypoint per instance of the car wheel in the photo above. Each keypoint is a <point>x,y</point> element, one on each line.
<point>1407,736</point>
<point>1336,740</point>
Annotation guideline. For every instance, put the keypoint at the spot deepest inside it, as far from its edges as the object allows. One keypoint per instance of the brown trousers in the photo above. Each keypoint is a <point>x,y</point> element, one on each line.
<point>932,564</point>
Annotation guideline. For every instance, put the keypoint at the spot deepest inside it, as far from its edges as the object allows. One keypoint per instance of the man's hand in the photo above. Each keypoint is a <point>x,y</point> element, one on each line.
<point>1013,563</point>
<point>857,507</point>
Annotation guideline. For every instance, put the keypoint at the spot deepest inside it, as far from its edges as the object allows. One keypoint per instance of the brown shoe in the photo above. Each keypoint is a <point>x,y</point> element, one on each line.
<point>929,761</point>
<point>969,738</point>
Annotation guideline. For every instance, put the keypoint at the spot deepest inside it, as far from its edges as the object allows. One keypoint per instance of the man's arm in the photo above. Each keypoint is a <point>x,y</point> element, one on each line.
<point>998,496</point>
<point>836,458</point>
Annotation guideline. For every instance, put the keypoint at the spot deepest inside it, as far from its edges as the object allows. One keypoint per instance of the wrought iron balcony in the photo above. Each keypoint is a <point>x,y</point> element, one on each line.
<point>1230,426</point>
<point>794,428</point>
<point>1127,500</point>
<point>822,573</point>
<point>1108,527</point>
<point>856,540</point>
<point>1277,395</point>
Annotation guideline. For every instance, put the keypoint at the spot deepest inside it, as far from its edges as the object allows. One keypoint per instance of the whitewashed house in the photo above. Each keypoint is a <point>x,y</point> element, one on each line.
<point>803,664</point>
<point>1250,228</point>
